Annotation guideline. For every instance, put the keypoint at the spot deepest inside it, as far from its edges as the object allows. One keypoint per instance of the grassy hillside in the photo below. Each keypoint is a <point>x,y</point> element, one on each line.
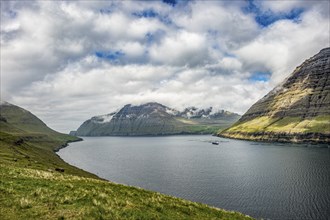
<point>297,110</point>
<point>27,142</point>
<point>36,184</point>
<point>34,194</point>
<point>286,129</point>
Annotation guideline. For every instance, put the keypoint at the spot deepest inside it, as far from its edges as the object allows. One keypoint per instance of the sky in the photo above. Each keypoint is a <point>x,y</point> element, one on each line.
<point>66,61</point>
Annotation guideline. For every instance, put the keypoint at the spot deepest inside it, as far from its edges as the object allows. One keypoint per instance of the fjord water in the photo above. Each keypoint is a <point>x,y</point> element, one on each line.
<point>264,180</point>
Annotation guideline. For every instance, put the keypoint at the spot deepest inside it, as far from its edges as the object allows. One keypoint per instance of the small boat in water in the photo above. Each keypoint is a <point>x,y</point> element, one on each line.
<point>215,142</point>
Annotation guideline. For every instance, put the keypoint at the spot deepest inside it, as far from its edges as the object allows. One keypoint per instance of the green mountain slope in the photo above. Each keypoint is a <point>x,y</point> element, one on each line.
<point>27,142</point>
<point>36,184</point>
<point>298,110</point>
<point>156,119</point>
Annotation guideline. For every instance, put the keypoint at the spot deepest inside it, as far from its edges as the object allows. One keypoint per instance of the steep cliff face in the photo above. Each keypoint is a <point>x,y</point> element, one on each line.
<point>154,119</point>
<point>151,118</point>
<point>298,110</point>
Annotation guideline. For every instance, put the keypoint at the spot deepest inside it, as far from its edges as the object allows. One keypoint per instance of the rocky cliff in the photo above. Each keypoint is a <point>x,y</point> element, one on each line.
<point>156,119</point>
<point>298,110</point>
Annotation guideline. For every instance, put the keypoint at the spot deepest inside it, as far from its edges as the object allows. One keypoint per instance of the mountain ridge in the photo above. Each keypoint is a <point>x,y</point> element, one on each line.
<point>297,110</point>
<point>153,118</point>
<point>27,141</point>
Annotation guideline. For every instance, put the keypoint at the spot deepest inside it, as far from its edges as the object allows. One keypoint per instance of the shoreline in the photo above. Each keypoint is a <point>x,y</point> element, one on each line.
<point>56,149</point>
<point>276,138</point>
<point>151,135</point>
<point>66,144</point>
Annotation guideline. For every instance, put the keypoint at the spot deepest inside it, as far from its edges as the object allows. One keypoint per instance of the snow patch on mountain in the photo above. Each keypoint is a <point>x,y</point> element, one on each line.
<point>103,118</point>
<point>172,111</point>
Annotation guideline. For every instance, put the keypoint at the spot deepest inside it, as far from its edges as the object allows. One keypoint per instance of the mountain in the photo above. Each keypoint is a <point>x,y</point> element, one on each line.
<point>27,141</point>
<point>156,119</point>
<point>19,120</point>
<point>298,110</point>
<point>208,113</point>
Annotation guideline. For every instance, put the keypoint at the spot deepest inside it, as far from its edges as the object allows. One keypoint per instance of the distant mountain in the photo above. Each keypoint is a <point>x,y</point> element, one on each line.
<point>156,119</point>
<point>298,110</point>
<point>208,113</point>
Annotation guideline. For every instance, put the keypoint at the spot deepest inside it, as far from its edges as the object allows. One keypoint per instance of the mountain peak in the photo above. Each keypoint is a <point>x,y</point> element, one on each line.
<point>326,50</point>
<point>153,118</point>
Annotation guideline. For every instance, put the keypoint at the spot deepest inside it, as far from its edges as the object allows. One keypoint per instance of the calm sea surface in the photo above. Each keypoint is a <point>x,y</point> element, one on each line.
<point>264,180</point>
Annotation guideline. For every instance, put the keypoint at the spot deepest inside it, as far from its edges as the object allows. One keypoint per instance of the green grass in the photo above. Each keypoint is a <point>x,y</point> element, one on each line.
<point>287,129</point>
<point>203,126</point>
<point>34,194</point>
<point>203,129</point>
<point>286,124</point>
<point>36,152</point>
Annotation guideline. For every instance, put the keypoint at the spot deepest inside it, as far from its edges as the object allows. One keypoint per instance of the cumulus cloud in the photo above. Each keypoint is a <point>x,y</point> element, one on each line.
<point>286,44</point>
<point>182,48</point>
<point>67,61</point>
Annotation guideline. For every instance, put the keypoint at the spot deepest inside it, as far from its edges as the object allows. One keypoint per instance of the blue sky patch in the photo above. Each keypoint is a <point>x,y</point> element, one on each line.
<point>12,14</point>
<point>109,55</point>
<point>260,76</point>
<point>170,2</point>
<point>165,19</point>
<point>149,13</point>
<point>149,37</point>
<point>213,33</point>
<point>155,36</point>
<point>109,9</point>
<point>268,17</point>
<point>105,11</point>
<point>227,54</point>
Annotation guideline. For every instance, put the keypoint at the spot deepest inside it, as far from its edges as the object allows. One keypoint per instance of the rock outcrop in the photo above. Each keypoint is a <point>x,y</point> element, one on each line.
<point>298,110</point>
<point>155,119</point>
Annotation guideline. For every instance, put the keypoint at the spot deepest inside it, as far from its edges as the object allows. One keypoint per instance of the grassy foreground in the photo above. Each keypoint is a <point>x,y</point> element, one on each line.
<point>35,183</point>
<point>35,194</point>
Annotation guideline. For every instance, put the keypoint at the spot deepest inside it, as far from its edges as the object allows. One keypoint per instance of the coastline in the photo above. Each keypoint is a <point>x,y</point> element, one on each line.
<point>56,149</point>
<point>269,137</point>
<point>152,135</point>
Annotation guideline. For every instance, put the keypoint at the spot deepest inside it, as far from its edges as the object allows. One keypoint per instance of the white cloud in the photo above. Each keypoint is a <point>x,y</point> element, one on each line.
<point>286,44</point>
<point>182,48</point>
<point>198,53</point>
<point>231,25</point>
<point>285,6</point>
<point>132,49</point>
